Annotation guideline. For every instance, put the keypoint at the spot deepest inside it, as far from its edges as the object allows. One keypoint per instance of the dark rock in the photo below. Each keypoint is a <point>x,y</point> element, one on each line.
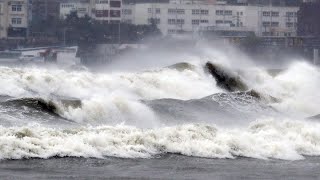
<point>233,83</point>
<point>49,106</point>
<point>316,117</point>
<point>182,66</point>
<point>226,80</point>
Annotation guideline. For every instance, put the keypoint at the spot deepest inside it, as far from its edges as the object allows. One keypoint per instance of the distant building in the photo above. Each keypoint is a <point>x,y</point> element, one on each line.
<point>82,7</point>
<point>192,18</point>
<point>144,1</point>
<point>274,2</point>
<point>14,19</point>
<point>101,10</point>
<point>106,10</point>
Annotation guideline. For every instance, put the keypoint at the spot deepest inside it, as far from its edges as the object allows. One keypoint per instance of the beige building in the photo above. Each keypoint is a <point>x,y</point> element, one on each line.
<point>193,18</point>
<point>14,19</point>
<point>101,10</point>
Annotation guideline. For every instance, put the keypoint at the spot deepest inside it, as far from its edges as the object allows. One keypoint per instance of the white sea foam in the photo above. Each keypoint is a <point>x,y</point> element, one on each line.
<point>115,98</point>
<point>112,99</point>
<point>107,98</point>
<point>162,83</point>
<point>285,139</point>
<point>297,88</point>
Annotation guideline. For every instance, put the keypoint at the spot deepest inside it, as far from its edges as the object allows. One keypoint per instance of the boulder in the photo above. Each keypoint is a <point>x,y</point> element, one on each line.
<point>226,79</point>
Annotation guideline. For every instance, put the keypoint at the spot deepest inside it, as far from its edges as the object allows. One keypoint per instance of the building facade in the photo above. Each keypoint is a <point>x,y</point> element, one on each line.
<point>176,17</point>
<point>191,18</point>
<point>14,19</point>
<point>101,10</point>
<point>82,7</point>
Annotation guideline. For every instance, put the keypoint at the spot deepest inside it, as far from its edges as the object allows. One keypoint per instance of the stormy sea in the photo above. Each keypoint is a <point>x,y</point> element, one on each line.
<point>200,118</point>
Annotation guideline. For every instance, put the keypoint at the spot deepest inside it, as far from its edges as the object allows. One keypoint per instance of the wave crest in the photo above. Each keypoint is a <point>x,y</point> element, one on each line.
<point>288,140</point>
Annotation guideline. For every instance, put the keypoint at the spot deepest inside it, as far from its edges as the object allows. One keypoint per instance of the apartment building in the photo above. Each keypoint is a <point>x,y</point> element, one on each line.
<point>14,18</point>
<point>191,18</point>
<point>44,9</point>
<point>101,10</point>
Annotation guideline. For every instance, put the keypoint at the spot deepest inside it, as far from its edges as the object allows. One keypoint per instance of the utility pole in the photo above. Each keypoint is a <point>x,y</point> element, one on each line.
<point>119,33</point>
<point>46,9</point>
<point>315,56</point>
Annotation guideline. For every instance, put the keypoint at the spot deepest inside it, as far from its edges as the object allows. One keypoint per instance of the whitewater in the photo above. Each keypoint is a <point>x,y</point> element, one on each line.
<point>157,111</point>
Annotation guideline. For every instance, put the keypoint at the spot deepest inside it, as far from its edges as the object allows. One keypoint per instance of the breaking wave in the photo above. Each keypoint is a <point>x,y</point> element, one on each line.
<point>177,109</point>
<point>284,139</point>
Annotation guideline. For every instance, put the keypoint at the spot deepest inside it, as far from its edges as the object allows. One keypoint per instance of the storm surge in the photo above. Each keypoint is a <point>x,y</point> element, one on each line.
<point>189,108</point>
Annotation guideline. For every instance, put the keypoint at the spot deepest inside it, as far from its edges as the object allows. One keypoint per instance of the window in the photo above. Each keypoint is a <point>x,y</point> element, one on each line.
<point>219,12</point>
<point>195,11</point>
<point>171,11</point>
<point>274,14</point>
<point>228,13</point>
<point>176,11</point>
<point>180,21</point>
<point>287,34</point>
<point>204,21</point>
<point>275,24</point>
<point>219,22</point>
<point>180,11</point>
<point>115,4</point>
<point>289,24</point>
<point>149,10</point>
<point>204,12</point>
<point>102,13</point>
<point>102,2</point>
<point>195,21</point>
<point>265,13</point>
<point>158,11</point>
<point>272,24</point>
<point>16,7</point>
<point>200,11</point>
<point>265,24</point>
<point>171,21</point>
<point>115,13</point>
<point>16,20</point>
<point>291,14</point>
<point>154,20</point>
<point>175,21</point>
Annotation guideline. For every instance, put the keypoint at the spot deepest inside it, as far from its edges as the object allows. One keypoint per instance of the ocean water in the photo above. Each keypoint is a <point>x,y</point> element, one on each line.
<point>167,122</point>
<point>165,167</point>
